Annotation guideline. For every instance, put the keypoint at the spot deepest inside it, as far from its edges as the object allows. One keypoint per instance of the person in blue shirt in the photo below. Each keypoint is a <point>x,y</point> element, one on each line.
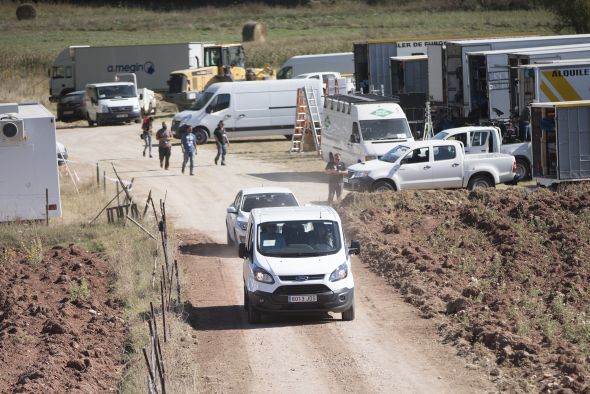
<point>189,148</point>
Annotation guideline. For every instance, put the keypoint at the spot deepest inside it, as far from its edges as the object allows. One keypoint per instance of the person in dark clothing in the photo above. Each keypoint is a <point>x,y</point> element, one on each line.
<point>221,141</point>
<point>336,171</point>
<point>164,137</point>
<point>146,128</point>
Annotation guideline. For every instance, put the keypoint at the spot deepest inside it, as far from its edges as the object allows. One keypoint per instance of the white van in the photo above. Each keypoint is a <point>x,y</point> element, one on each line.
<point>248,108</point>
<point>111,102</point>
<point>330,79</point>
<point>297,65</point>
<point>362,127</point>
<point>296,260</point>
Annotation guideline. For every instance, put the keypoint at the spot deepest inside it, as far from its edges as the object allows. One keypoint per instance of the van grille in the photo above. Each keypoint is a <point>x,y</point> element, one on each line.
<point>121,109</point>
<point>293,278</point>
<point>302,289</point>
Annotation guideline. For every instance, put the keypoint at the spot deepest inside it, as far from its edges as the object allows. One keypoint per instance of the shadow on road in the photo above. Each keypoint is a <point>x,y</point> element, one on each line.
<point>233,317</point>
<point>309,176</point>
<point>209,250</point>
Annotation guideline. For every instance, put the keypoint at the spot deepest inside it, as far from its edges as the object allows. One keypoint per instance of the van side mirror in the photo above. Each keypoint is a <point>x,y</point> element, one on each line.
<point>94,101</point>
<point>231,209</point>
<point>209,109</point>
<point>353,138</point>
<point>355,247</point>
<point>242,251</point>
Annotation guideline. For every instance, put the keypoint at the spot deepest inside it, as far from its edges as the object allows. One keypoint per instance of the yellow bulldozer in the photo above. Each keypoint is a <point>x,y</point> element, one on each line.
<point>221,63</point>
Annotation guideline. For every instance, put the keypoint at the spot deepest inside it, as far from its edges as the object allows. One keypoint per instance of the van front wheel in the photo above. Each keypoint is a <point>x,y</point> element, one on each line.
<point>201,136</point>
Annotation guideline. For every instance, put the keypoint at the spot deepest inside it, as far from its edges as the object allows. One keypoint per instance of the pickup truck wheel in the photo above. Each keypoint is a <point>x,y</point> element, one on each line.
<point>479,182</point>
<point>254,315</point>
<point>348,315</point>
<point>201,136</point>
<point>523,170</point>
<point>382,186</point>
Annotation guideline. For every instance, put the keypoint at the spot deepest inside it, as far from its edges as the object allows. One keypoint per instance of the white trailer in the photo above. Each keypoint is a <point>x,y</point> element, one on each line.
<point>455,59</point>
<point>493,76</point>
<point>77,66</point>
<point>562,80</point>
<point>28,164</point>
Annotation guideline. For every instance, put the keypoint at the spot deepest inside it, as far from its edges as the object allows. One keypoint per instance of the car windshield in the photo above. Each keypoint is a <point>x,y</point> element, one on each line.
<point>202,101</point>
<point>73,98</point>
<point>385,129</point>
<point>267,200</point>
<point>393,155</point>
<point>301,238</point>
<point>116,91</point>
<point>440,136</point>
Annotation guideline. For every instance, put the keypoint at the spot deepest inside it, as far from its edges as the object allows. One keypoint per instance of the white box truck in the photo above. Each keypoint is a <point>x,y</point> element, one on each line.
<point>28,164</point>
<point>77,66</point>
<point>297,65</point>
<point>362,127</point>
<point>561,142</point>
<point>248,108</point>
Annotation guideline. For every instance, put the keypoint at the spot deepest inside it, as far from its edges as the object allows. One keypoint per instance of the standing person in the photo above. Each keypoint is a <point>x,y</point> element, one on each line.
<point>221,141</point>
<point>164,137</point>
<point>336,171</point>
<point>147,133</point>
<point>189,148</point>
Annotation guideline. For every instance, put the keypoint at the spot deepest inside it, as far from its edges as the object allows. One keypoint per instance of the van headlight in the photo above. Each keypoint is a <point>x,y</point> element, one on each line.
<point>360,174</point>
<point>136,108</point>
<point>104,108</point>
<point>242,225</point>
<point>339,273</point>
<point>260,275</point>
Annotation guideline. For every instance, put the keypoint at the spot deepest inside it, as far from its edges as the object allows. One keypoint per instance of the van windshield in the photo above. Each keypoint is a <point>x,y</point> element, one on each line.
<point>300,238</point>
<point>393,155</point>
<point>285,73</point>
<point>116,91</point>
<point>385,129</point>
<point>202,101</point>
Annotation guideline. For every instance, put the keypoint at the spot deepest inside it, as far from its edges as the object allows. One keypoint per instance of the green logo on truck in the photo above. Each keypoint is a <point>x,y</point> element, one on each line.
<point>381,112</point>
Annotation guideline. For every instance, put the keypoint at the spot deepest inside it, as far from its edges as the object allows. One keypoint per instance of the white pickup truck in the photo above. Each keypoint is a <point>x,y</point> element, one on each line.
<point>431,164</point>
<point>488,139</point>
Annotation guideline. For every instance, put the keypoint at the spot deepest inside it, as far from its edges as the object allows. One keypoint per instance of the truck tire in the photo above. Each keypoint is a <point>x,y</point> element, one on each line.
<point>201,136</point>
<point>254,315</point>
<point>348,315</point>
<point>480,182</point>
<point>382,186</point>
<point>523,169</point>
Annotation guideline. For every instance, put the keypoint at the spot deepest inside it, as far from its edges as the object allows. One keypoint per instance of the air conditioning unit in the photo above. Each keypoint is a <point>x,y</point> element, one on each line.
<point>12,130</point>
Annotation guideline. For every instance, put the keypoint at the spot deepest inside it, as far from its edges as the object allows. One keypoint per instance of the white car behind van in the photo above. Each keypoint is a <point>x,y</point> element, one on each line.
<point>296,260</point>
<point>249,108</point>
<point>342,62</point>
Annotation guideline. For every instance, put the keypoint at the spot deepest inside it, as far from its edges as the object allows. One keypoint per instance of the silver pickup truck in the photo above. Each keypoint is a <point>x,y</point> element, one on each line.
<point>431,164</point>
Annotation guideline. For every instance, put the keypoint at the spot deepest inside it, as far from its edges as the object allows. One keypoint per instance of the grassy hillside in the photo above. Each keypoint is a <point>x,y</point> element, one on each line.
<point>28,47</point>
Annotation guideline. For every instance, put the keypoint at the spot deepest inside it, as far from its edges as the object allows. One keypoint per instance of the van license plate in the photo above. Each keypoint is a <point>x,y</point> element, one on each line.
<point>121,115</point>
<point>303,298</point>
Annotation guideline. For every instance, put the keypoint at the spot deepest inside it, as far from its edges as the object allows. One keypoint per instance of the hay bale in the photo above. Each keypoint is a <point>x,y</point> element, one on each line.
<point>254,31</point>
<point>26,11</point>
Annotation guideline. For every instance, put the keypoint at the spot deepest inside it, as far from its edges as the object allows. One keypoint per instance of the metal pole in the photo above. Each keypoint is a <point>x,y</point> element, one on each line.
<point>104,181</point>
<point>47,206</point>
<point>118,200</point>
<point>97,175</point>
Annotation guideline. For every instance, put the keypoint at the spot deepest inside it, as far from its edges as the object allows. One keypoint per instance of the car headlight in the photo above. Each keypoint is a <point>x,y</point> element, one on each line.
<point>360,174</point>
<point>370,157</point>
<point>339,273</point>
<point>104,108</point>
<point>260,275</point>
<point>135,108</point>
<point>242,225</point>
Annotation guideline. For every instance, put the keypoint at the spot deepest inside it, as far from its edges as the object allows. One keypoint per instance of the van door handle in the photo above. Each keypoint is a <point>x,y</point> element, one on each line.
<point>241,116</point>
<point>227,116</point>
<point>426,167</point>
<point>455,165</point>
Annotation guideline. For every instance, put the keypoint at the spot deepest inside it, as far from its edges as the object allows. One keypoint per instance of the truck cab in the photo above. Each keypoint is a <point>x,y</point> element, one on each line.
<point>111,102</point>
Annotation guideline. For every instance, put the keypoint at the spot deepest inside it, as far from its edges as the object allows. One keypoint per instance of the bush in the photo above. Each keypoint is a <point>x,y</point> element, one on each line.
<point>573,14</point>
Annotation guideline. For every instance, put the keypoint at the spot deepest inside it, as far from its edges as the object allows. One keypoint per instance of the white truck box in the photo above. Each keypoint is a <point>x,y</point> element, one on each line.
<point>28,163</point>
<point>247,108</point>
<point>362,127</point>
<point>303,64</point>
<point>77,66</point>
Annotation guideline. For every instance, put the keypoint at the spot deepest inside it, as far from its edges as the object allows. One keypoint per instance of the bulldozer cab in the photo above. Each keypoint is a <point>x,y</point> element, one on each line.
<point>224,55</point>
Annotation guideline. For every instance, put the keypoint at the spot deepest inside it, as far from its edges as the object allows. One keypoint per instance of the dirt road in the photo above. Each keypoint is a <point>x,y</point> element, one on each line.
<point>388,348</point>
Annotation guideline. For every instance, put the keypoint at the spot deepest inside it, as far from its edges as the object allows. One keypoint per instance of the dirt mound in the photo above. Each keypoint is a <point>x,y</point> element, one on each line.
<point>59,330</point>
<point>511,269</point>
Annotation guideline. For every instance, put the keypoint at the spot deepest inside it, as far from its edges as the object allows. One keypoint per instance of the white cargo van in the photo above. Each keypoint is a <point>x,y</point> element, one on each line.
<point>111,102</point>
<point>296,260</point>
<point>297,65</point>
<point>248,108</point>
<point>362,127</point>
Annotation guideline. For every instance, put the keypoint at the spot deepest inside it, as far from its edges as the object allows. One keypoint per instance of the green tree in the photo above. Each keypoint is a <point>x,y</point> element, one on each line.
<point>573,14</point>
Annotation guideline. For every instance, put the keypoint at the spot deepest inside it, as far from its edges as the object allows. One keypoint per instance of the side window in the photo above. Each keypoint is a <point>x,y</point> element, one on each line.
<point>237,200</point>
<point>220,102</point>
<point>285,73</point>
<point>314,77</point>
<point>419,155</point>
<point>444,153</point>
<point>250,236</point>
<point>356,135</point>
<point>461,137</point>
<point>479,138</point>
